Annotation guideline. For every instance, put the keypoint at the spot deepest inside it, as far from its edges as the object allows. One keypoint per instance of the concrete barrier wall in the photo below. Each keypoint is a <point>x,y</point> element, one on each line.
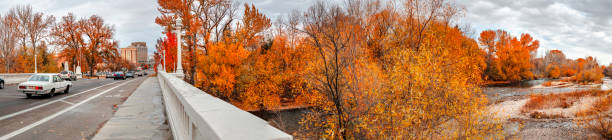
<point>14,78</point>
<point>196,115</point>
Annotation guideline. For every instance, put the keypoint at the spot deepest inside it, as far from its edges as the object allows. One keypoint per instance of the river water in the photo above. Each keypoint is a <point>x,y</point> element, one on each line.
<point>497,92</point>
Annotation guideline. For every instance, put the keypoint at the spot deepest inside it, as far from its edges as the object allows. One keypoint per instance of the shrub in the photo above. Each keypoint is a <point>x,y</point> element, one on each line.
<point>553,71</point>
<point>540,115</point>
<point>589,76</point>
<point>568,72</point>
<point>547,84</point>
<point>608,70</point>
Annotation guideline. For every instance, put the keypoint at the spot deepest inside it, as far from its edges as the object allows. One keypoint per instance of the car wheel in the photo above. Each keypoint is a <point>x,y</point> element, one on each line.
<point>67,90</point>
<point>52,93</point>
<point>28,95</point>
<point>1,85</point>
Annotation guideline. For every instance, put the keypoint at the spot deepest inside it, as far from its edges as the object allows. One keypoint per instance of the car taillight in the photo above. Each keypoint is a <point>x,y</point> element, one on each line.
<point>22,87</point>
<point>39,88</point>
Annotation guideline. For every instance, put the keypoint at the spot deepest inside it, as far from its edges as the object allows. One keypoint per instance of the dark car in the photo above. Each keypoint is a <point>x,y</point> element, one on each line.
<point>129,74</point>
<point>119,75</point>
<point>1,83</point>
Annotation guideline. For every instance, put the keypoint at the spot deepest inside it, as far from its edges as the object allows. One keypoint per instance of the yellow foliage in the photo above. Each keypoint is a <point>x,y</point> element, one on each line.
<point>220,67</point>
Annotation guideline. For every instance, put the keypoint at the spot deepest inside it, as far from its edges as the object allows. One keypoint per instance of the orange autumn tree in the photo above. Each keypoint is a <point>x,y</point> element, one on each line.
<point>205,23</point>
<point>588,71</point>
<point>68,37</point>
<point>273,75</point>
<point>554,60</point>
<point>166,47</point>
<point>99,46</point>
<point>220,68</point>
<point>508,57</point>
<point>429,76</point>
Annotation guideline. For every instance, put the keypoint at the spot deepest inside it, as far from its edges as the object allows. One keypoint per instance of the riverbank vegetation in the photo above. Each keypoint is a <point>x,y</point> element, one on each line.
<point>367,69</point>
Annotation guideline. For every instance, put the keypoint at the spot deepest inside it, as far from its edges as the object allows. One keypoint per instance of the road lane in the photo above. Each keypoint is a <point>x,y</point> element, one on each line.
<point>11,101</point>
<point>51,101</point>
<point>80,116</point>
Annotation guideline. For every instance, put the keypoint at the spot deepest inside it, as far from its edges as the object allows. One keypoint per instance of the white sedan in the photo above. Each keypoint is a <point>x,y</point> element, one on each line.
<point>44,84</point>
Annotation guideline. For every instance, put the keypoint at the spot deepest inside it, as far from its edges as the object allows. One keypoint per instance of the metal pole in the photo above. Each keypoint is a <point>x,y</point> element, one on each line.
<point>35,62</point>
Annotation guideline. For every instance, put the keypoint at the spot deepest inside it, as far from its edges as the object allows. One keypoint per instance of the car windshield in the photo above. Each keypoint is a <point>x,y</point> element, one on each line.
<point>64,72</point>
<point>43,78</point>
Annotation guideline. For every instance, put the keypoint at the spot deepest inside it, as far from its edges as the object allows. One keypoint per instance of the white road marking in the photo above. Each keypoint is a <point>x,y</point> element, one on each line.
<point>67,102</point>
<point>45,104</point>
<point>26,128</point>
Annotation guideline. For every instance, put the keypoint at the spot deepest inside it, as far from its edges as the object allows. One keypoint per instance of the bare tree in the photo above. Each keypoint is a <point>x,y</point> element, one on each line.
<point>33,27</point>
<point>8,40</point>
<point>337,37</point>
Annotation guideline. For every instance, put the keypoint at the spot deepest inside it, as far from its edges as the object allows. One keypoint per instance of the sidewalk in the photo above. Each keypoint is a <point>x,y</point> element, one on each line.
<point>140,117</point>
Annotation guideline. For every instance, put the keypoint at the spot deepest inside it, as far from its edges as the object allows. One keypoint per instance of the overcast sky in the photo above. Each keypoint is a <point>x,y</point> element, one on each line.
<point>577,27</point>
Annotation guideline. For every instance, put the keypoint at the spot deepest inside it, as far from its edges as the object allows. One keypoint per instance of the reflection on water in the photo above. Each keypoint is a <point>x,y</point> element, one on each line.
<point>286,120</point>
<point>522,84</point>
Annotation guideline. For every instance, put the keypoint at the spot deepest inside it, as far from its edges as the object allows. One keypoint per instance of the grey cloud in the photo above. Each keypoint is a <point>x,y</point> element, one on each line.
<point>579,28</point>
<point>134,20</point>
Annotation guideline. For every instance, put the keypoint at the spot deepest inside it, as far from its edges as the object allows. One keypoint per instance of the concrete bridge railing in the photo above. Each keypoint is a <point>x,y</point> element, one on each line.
<point>194,115</point>
<point>13,78</point>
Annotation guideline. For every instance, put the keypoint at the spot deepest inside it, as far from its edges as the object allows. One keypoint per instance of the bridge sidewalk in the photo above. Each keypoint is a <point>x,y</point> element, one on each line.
<point>141,116</point>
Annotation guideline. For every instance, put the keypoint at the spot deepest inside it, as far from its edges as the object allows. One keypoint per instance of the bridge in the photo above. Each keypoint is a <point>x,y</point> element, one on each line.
<point>159,107</point>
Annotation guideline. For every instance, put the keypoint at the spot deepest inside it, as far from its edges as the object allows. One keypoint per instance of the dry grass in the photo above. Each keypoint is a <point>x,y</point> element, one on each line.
<point>602,104</point>
<point>561,100</point>
<point>600,124</point>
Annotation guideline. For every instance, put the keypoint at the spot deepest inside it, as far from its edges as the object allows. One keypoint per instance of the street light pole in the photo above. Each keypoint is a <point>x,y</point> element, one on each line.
<point>179,64</point>
<point>35,63</point>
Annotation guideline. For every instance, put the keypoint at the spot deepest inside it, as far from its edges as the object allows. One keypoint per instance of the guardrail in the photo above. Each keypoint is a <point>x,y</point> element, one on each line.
<point>13,78</point>
<point>194,114</point>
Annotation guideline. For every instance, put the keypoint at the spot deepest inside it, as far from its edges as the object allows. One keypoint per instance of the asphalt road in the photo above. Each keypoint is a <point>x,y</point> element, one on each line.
<point>76,115</point>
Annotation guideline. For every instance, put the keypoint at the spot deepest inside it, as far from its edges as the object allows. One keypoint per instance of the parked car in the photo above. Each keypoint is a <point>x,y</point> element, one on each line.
<point>129,74</point>
<point>1,83</point>
<point>44,84</point>
<point>119,75</point>
<point>68,75</point>
<point>110,75</point>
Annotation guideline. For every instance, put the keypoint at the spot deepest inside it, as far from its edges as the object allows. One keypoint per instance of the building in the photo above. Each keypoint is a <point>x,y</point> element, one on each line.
<point>136,53</point>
